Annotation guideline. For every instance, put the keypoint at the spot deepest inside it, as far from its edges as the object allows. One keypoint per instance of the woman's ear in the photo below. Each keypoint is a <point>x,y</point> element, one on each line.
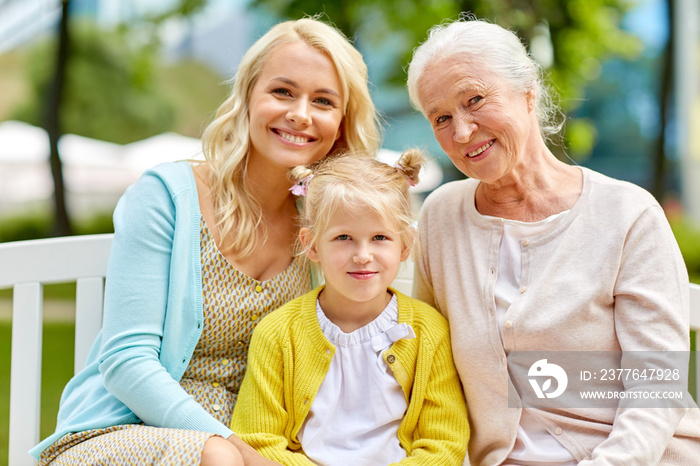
<point>305,237</point>
<point>530,96</point>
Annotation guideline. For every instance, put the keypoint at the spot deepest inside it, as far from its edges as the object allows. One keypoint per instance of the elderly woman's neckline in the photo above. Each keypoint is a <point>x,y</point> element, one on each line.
<point>532,201</point>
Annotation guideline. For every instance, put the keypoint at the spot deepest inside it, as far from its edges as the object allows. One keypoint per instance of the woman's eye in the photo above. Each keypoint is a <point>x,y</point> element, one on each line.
<point>282,91</point>
<point>324,101</point>
<point>476,99</point>
<point>442,119</point>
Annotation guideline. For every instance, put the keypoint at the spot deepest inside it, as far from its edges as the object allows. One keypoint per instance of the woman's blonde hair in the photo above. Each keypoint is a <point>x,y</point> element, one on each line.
<point>226,141</point>
<point>357,184</point>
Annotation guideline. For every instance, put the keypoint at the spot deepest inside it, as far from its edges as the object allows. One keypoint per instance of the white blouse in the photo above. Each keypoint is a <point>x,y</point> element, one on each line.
<point>355,416</point>
<point>533,444</point>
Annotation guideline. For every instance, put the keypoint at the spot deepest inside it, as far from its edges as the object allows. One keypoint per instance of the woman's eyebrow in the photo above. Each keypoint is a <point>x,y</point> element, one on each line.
<point>323,90</point>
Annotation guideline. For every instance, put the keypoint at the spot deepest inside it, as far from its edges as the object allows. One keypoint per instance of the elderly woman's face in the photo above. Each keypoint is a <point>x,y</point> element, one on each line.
<point>480,122</point>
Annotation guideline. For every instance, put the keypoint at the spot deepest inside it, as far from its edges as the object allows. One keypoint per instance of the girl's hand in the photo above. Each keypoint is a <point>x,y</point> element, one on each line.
<point>250,456</point>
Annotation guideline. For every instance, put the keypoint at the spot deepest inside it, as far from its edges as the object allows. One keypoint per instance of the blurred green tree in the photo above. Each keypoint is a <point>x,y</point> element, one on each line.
<point>97,84</point>
<point>110,92</point>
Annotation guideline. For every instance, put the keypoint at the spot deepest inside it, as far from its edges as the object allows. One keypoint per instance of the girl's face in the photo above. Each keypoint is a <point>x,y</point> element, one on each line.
<point>295,107</point>
<point>360,255</point>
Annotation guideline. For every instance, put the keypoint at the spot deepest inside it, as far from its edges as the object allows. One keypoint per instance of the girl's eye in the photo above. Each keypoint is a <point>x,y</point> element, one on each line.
<point>343,237</point>
<point>379,237</point>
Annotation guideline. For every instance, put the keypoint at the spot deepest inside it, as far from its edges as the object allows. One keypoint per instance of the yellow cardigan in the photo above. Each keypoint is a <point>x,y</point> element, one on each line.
<point>289,357</point>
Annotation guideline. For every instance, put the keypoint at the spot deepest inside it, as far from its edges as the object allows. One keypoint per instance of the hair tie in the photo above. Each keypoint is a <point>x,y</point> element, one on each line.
<point>300,188</point>
<point>402,170</point>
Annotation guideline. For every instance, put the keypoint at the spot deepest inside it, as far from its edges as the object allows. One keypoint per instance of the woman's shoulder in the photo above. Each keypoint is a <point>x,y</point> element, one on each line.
<point>452,191</point>
<point>606,189</point>
<point>176,175</point>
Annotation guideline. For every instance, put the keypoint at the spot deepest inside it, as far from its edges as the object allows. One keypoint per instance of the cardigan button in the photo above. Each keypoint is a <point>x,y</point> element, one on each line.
<point>526,242</point>
<point>391,358</point>
<point>558,430</point>
<point>508,324</point>
<point>523,289</point>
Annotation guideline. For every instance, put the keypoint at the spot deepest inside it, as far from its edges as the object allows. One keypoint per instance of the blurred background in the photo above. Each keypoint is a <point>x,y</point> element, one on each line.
<point>94,92</point>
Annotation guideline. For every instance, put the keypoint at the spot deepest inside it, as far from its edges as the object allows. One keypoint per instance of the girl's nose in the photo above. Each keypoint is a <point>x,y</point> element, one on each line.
<point>362,255</point>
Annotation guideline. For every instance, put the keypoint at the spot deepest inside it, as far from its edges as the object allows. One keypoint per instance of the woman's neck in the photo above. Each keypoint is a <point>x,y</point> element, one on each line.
<point>536,189</point>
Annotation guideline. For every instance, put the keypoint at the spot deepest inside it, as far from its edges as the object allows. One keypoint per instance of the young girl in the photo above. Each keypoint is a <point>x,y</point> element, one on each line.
<point>354,372</point>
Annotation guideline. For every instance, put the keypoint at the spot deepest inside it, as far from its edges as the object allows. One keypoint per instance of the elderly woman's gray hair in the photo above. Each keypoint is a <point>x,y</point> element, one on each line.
<point>497,50</point>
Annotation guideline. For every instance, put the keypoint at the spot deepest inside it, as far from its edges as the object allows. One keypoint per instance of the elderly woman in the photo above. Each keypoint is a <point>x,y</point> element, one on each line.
<point>533,254</point>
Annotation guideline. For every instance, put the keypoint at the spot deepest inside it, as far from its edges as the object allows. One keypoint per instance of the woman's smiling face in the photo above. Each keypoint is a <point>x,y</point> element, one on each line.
<point>481,123</point>
<point>295,107</point>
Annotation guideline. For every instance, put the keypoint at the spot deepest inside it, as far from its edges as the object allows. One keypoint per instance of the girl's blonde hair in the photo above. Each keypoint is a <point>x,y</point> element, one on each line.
<point>357,184</point>
<point>226,141</point>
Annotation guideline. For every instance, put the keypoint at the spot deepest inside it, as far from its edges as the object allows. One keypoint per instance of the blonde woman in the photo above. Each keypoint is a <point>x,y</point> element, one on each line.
<point>202,251</point>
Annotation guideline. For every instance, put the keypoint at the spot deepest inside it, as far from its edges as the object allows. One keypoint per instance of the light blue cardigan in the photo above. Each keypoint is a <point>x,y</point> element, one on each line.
<point>152,319</point>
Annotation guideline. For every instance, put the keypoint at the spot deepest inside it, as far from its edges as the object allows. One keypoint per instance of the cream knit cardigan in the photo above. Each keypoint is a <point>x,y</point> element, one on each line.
<point>609,277</point>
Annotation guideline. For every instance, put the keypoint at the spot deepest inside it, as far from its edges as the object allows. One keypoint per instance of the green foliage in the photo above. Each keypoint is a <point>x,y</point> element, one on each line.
<point>57,369</point>
<point>110,89</point>
<point>687,234</point>
<point>29,225</point>
<point>37,224</point>
<point>580,136</point>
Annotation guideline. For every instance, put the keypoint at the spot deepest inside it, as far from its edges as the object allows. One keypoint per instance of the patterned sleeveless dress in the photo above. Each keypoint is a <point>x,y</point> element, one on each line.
<point>232,303</point>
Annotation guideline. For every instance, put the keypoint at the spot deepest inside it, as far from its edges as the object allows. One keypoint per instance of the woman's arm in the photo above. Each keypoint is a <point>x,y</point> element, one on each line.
<point>139,290</point>
<point>651,317</point>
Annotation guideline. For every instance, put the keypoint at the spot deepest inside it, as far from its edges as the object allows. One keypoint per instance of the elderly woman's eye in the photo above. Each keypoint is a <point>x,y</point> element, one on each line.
<point>476,99</point>
<point>441,119</point>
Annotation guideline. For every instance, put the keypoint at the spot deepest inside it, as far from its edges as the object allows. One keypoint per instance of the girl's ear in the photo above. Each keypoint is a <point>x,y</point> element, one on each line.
<point>309,248</point>
<point>406,251</point>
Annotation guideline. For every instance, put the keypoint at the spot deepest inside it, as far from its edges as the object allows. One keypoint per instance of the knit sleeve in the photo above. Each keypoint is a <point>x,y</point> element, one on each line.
<point>651,317</point>
<point>441,431</point>
<point>260,417</point>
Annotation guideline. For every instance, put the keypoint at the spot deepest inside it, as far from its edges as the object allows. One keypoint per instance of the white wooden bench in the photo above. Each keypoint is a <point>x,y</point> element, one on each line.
<point>26,266</point>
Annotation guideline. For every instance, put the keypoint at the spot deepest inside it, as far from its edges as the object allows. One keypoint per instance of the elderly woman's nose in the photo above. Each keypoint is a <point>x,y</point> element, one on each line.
<point>464,128</point>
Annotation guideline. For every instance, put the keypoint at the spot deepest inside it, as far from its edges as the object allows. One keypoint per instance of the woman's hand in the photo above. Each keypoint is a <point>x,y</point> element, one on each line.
<point>250,456</point>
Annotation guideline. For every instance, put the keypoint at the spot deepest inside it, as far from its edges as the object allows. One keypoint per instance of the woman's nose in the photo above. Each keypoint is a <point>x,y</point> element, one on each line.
<point>299,113</point>
<point>464,128</point>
